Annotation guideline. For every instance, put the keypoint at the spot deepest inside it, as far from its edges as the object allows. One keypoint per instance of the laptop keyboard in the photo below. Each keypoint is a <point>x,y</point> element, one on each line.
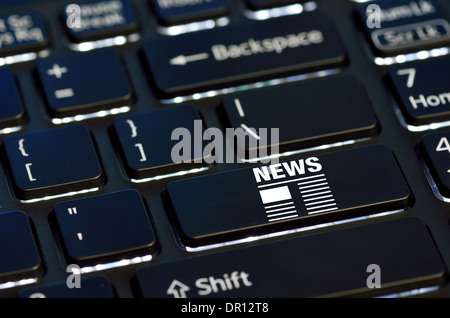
<point>223,148</point>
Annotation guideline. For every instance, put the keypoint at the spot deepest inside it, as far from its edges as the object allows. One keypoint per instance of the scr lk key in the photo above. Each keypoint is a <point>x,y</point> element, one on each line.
<point>402,26</point>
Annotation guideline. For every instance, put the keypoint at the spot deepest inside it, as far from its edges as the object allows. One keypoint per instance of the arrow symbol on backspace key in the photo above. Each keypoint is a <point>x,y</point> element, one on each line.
<point>183,59</point>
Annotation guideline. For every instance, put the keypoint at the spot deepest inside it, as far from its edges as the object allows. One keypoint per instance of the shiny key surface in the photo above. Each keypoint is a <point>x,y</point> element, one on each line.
<point>436,151</point>
<point>422,91</point>
<point>148,142</point>
<point>246,52</point>
<point>84,84</point>
<point>296,193</point>
<point>91,287</point>
<point>337,263</point>
<point>20,256</point>
<point>402,26</point>
<point>53,162</point>
<point>11,112</point>
<point>105,228</point>
<point>96,20</point>
<point>173,13</point>
<point>302,114</point>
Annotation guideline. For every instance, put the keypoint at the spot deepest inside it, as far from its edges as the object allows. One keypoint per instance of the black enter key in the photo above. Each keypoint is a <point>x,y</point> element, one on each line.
<point>301,192</point>
<point>241,53</point>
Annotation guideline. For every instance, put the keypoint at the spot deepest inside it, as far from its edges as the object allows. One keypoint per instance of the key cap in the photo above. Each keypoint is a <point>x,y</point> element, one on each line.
<point>19,253</point>
<point>402,26</point>
<point>148,146</point>
<point>105,228</point>
<point>22,33</point>
<point>292,194</point>
<point>307,114</point>
<point>90,287</point>
<point>11,112</point>
<point>422,91</point>
<point>268,4</point>
<point>436,151</point>
<point>84,83</point>
<point>95,20</point>
<point>172,12</point>
<point>242,53</point>
<point>333,264</point>
<point>53,162</point>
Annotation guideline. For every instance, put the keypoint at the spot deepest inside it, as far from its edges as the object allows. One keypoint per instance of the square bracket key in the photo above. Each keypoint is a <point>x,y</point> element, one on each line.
<point>153,143</point>
<point>53,162</point>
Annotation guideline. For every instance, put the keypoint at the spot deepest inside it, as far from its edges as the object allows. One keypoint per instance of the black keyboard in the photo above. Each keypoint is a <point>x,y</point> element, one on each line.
<point>224,149</point>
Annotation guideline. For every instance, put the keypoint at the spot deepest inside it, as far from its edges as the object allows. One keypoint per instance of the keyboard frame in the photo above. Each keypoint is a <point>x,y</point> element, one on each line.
<point>434,212</point>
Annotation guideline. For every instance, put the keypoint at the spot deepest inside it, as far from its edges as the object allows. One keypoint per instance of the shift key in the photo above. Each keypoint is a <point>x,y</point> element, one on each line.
<point>302,192</point>
<point>242,53</point>
<point>396,257</point>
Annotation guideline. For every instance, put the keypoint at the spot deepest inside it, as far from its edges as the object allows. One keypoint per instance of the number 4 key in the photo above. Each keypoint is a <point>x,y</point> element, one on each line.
<point>436,152</point>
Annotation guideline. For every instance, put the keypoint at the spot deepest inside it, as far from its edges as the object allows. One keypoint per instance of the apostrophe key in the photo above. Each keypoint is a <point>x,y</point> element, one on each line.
<point>105,228</point>
<point>148,142</point>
